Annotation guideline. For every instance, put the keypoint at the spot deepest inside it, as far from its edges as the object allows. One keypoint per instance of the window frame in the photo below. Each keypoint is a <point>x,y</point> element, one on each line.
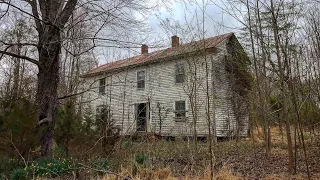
<point>102,86</point>
<point>141,80</point>
<point>178,68</point>
<point>182,112</point>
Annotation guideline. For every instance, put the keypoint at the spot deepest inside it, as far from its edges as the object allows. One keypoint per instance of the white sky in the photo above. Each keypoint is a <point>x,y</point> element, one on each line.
<point>215,22</point>
<point>179,13</point>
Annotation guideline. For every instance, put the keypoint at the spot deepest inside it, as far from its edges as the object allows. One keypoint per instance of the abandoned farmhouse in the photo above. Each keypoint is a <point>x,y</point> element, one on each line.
<point>176,91</point>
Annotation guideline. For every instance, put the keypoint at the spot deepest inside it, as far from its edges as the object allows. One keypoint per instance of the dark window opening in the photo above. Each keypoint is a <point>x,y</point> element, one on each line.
<point>102,86</point>
<point>180,73</point>
<point>180,110</point>
<point>100,111</point>
<point>141,79</point>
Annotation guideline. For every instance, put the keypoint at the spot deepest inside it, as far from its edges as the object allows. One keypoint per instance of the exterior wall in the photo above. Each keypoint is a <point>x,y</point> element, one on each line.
<point>224,115</point>
<point>161,92</point>
<point>231,116</point>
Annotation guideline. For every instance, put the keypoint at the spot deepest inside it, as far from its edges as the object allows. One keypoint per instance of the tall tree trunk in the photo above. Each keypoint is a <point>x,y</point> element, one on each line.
<point>48,79</point>
<point>266,128</point>
<point>283,86</point>
<point>16,74</point>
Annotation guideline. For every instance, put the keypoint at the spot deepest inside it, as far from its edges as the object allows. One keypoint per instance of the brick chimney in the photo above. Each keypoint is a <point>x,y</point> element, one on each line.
<point>175,41</point>
<point>144,49</point>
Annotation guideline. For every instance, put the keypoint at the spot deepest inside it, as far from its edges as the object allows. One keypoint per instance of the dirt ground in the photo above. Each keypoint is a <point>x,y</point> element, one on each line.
<point>233,159</point>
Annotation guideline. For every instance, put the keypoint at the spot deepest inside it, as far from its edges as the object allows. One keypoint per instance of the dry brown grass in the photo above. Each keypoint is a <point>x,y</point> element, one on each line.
<point>166,174</point>
<point>285,176</point>
<point>224,174</point>
<point>236,159</point>
<point>160,174</point>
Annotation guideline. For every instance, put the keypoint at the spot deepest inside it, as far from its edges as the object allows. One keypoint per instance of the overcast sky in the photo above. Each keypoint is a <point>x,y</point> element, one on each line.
<point>183,18</point>
<point>178,18</point>
<point>216,21</point>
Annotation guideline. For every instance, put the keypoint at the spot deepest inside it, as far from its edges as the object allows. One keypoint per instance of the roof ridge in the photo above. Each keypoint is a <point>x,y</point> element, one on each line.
<point>157,54</point>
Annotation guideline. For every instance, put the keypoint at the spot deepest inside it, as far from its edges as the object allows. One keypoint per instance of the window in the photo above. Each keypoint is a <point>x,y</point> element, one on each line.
<point>103,114</point>
<point>179,73</point>
<point>102,86</point>
<point>99,110</point>
<point>141,79</point>
<point>180,110</point>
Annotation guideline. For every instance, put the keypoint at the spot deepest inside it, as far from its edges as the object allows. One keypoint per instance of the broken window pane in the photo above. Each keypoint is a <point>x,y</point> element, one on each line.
<point>141,79</point>
<point>180,109</point>
<point>180,73</point>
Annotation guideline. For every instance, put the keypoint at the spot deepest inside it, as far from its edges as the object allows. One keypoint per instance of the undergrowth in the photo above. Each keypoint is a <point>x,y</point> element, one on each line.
<point>161,159</point>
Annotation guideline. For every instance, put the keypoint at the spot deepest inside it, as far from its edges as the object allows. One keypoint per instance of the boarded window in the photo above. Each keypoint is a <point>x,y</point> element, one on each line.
<point>102,86</point>
<point>180,73</point>
<point>141,79</point>
<point>180,110</point>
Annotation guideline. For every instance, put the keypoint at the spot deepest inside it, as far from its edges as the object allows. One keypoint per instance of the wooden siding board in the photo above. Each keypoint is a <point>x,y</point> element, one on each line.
<point>160,87</point>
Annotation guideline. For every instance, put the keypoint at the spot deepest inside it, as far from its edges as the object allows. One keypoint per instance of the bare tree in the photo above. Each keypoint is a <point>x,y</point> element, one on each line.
<point>51,19</point>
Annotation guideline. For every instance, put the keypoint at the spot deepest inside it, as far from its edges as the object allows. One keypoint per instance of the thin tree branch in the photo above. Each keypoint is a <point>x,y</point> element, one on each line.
<point>16,149</point>
<point>9,4</point>
<point>18,44</point>
<point>22,57</point>
<point>34,7</point>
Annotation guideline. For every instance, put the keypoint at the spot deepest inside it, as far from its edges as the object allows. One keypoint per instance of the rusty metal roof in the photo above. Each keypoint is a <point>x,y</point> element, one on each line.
<point>160,54</point>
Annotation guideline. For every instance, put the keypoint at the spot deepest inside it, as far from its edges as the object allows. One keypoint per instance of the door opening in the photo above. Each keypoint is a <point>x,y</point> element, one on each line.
<point>141,112</point>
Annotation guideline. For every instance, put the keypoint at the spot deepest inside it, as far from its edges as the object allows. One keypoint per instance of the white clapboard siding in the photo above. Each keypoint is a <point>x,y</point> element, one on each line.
<point>160,87</point>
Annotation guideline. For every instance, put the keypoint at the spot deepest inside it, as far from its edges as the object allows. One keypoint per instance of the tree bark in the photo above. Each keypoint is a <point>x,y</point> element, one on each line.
<point>283,87</point>
<point>16,74</point>
<point>48,79</point>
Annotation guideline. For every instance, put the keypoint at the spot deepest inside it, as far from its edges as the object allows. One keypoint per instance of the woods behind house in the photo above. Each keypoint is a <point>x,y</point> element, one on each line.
<point>88,90</point>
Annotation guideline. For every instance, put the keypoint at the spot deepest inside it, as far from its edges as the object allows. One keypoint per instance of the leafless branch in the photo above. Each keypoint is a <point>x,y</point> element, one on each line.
<point>16,149</point>
<point>18,44</point>
<point>37,18</point>
<point>20,56</point>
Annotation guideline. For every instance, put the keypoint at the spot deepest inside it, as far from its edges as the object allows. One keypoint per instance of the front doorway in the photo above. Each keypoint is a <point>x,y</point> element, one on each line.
<point>142,116</point>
